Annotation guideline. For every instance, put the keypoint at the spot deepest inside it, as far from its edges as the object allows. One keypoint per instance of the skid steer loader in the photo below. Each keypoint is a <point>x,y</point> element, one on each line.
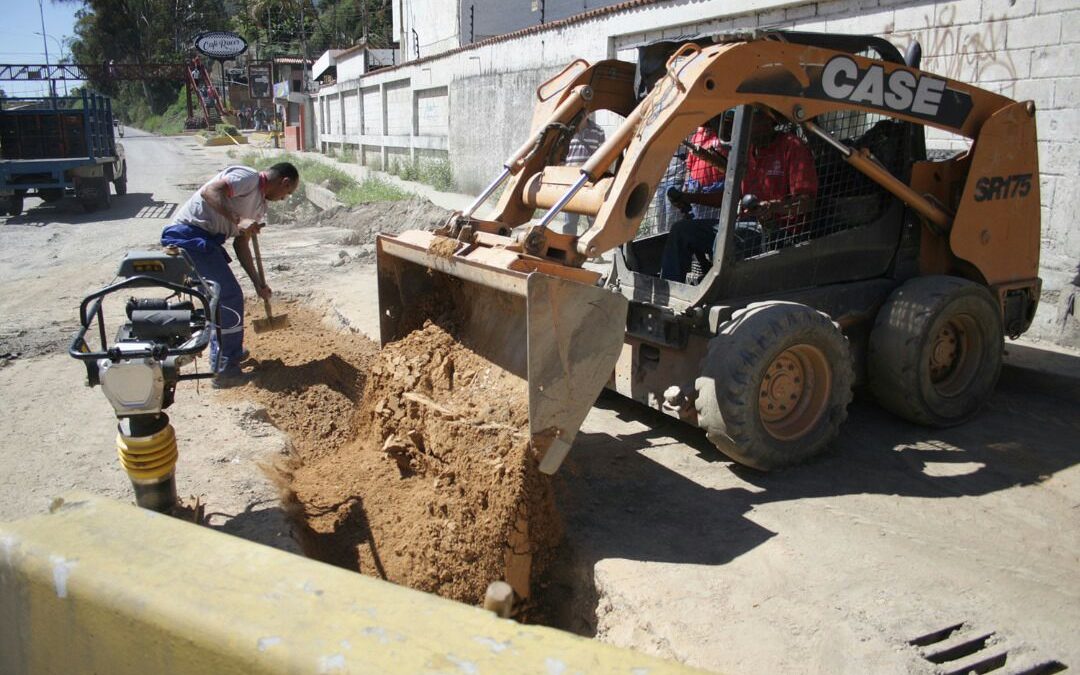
<point>904,273</point>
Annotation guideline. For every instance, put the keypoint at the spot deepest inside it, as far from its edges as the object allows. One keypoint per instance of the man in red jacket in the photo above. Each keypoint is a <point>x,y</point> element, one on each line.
<point>780,174</point>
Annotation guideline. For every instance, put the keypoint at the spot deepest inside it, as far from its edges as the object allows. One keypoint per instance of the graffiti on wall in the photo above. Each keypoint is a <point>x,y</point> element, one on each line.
<point>966,50</point>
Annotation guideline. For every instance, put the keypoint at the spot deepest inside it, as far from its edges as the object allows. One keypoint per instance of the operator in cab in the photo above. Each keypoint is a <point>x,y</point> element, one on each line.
<point>778,188</point>
<point>233,205</point>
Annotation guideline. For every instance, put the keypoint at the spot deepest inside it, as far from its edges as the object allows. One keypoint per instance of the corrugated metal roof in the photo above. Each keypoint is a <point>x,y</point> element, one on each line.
<point>292,60</point>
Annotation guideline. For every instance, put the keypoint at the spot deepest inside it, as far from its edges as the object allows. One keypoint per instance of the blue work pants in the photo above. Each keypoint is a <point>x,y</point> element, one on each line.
<point>693,235</point>
<point>212,262</point>
<point>686,238</point>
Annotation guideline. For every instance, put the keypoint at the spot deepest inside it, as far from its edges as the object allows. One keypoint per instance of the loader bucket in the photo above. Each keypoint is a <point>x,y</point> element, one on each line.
<point>561,337</point>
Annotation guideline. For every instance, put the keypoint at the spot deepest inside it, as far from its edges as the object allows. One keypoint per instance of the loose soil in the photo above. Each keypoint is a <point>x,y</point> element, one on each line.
<point>411,463</point>
<point>364,221</point>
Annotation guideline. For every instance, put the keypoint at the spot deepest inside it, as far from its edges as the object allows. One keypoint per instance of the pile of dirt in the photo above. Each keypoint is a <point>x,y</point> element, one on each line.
<point>412,463</point>
<point>291,211</point>
<point>364,221</point>
<point>309,376</point>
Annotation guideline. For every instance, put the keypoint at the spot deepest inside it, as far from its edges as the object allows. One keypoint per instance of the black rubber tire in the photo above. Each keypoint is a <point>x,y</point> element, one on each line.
<point>120,185</point>
<point>51,195</point>
<point>915,371</point>
<point>741,362</point>
<point>15,205</point>
<point>100,198</point>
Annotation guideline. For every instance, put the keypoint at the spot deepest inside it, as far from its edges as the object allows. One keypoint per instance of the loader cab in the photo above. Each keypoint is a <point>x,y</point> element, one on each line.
<point>854,230</point>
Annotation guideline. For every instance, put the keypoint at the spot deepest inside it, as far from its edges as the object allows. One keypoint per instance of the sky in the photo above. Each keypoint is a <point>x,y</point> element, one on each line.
<point>21,42</point>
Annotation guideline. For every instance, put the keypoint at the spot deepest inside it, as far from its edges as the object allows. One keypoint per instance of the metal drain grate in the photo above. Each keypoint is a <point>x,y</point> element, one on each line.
<point>157,210</point>
<point>960,649</point>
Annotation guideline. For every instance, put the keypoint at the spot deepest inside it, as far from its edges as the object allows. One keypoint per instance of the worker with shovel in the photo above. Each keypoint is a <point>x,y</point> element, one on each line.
<point>231,204</point>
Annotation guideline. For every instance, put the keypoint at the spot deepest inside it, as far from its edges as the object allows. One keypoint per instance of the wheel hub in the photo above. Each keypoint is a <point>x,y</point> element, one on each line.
<point>782,387</point>
<point>794,392</point>
<point>944,353</point>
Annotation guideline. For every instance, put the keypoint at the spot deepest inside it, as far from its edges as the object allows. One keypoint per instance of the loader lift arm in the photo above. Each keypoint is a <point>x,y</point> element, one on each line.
<point>513,282</point>
<point>800,81</point>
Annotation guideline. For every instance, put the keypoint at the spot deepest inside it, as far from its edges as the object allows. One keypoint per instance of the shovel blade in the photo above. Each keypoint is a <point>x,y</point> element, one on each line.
<point>270,323</point>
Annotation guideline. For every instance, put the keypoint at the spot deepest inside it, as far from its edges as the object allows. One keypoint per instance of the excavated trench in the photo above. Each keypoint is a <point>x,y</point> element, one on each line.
<point>410,463</point>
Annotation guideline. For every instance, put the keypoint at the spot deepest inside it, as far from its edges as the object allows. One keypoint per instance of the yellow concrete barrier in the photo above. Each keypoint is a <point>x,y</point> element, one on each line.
<point>102,587</point>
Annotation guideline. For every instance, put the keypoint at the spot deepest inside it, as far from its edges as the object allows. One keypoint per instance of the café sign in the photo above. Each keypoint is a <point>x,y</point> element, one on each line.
<point>220,44</point>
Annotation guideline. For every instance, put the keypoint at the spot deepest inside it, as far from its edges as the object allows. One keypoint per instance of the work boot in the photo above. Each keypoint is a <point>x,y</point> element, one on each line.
<point>229,378</point>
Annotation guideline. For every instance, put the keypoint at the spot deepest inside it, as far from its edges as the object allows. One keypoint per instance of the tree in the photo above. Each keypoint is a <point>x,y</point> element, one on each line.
<point>141,31</point>
<point>156,31</point>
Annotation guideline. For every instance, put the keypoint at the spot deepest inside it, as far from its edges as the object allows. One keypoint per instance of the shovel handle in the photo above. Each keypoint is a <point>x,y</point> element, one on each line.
<point>262,275</point>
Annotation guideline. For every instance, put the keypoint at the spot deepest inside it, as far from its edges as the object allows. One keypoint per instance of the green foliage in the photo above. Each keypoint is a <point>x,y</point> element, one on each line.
<point>370,190</point>
<point>404,169</point>
<point>152,31</point>
<point>437,173</point>
<point>171,121</point>
<point>140,31</point>
<point>347,189</point>
<point>275,25</point>
<point>347,155</point>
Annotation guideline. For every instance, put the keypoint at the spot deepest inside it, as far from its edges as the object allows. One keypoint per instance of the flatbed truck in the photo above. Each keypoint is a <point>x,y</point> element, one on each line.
<point>50,147</point>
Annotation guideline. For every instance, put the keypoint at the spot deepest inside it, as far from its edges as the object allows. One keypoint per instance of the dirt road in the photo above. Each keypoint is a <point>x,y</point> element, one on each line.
<point>827,568</point>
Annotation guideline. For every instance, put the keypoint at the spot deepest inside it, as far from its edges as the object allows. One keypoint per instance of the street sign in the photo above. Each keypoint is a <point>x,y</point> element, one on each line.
<point>259,84</point>
<point>220,44</point>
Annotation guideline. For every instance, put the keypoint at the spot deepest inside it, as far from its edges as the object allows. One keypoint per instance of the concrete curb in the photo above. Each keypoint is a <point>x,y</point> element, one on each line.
<point>321,197</point>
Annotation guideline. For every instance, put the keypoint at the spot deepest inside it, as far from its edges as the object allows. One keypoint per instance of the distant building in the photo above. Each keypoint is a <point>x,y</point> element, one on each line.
<point>424,28</point>
<point>347,64</point>
<point>292,102</point>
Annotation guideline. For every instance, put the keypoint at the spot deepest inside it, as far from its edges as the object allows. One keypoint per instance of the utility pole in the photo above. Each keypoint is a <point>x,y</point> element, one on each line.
<point>363,20</point>
<point>52,83</point>
<point>303,44</point>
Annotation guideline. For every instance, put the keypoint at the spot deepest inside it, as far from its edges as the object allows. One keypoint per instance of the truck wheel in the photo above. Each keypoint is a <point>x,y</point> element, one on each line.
<point>120,185</point>
<point>15,205</point>
<point>100,199</point>
<point>775,385</point>
<point>935,350</point>
<point>103,195</point>
<point>50,195</point>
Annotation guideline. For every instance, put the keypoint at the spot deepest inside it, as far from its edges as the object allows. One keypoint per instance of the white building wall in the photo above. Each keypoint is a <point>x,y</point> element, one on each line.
<point>351,107</point>
<point>432,112</point>
<point>333,109</point>
<point>398,108</point>
<point>1024,49</point>
<point>371,105</point>
<point>351,67</point>
<point>427,26</point>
